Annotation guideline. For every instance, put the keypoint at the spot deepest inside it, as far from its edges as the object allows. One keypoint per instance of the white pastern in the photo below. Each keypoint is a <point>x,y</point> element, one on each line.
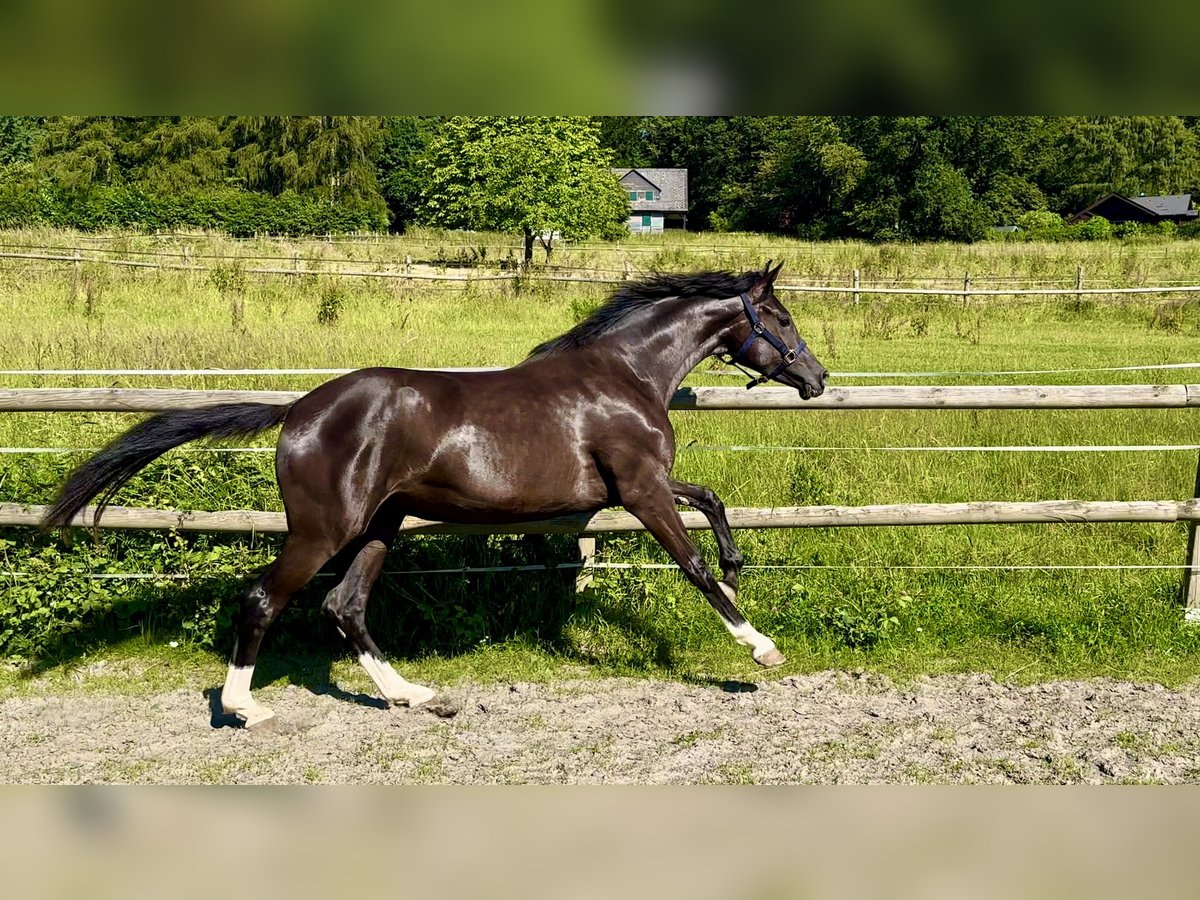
<point>394,688</point>
<point>236,699</point>
<point>747,635</point>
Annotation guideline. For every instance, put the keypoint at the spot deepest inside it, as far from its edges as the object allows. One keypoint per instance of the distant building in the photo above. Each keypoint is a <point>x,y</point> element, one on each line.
<point>658,198</point>
<point>1117,208</point>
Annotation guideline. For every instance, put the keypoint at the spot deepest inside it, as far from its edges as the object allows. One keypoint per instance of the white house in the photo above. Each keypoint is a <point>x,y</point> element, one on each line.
<point>657,198</point>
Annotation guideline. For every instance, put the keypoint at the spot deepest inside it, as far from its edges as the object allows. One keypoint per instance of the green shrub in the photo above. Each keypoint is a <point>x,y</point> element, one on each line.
<point>25,202</point>
<point>1097,228</point>
<point>1042,225</point>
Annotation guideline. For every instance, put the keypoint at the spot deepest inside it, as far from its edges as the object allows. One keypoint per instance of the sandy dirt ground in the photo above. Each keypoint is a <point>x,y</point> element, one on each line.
<point>830,727</point>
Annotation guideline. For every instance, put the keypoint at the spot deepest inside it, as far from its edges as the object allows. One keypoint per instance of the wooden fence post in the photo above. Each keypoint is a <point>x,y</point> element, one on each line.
<point>1191,575</point>
<point>1079,285</point>
<point>857,296</point>
<point>587,555</point>
<point>966,288</point>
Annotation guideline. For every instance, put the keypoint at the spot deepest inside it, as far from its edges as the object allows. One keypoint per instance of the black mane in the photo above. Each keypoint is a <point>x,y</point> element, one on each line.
<point>637,295</point>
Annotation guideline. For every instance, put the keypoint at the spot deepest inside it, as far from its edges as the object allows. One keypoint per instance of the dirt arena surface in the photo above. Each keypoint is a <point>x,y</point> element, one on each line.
<point>830,728</point>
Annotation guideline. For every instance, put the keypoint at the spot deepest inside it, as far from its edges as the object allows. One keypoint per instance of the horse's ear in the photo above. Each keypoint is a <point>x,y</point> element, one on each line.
<point>764,281</point>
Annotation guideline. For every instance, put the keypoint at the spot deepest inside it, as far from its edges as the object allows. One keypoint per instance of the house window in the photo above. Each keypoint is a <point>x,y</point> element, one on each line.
<point>645,221</point>
<point>633,195</point>
<point>649,195</point>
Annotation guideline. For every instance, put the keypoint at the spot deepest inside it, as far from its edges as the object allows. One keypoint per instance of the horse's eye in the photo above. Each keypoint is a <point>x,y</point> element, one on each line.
<point>785,321</point>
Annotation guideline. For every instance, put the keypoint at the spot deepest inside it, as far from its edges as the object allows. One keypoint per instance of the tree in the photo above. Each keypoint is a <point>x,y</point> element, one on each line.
<point>535,175</point>
<point>721,153</point>
<point>625,136</point>
<point>405,139</point>
<point>329,157</point>
<point>178,154</point>
<point>1128,155</point>
<point>78,152</point>
<point>801,183</point>
<point>19,136</point>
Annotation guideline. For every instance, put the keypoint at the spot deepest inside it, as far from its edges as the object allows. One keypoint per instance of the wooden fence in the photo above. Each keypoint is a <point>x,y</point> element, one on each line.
<point>1172,396</point>
<point>476,274</point>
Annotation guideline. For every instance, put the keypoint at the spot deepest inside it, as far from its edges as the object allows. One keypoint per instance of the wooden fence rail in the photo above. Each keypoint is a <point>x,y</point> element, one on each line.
<point>1107,396</point>
<point>606,521</point>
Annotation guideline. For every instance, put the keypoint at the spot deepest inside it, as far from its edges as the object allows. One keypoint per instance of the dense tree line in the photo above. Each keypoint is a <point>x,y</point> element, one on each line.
<point>907,177</point>
<point>873,177</point>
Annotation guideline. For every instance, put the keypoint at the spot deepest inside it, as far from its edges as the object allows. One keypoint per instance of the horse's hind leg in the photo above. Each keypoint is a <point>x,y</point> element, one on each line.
<point>298,561</point>
<point>347,606</point>
<point>706,501</point>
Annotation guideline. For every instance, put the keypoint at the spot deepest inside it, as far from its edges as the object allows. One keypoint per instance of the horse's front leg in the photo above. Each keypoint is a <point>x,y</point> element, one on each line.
<point>706,501</point>
<point>652,499</point>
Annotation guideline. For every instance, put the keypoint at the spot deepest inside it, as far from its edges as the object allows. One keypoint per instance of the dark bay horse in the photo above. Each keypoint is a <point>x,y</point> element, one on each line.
<point>580,425</point>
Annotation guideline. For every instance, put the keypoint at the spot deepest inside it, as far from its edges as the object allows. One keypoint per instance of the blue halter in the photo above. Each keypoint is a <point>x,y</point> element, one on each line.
<point>759,330</point>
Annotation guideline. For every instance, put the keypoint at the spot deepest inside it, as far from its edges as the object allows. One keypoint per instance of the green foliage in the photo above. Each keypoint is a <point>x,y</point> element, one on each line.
<point>244,175</point>
<point>404,140</point>
<point>530,175</point>
<point>240,213</point>
<point>327,157</point>
<point>60,590</point>
<point>801,184</point>
<point>882,178</point>
<point>333,297</point>
<point>1130,155</point>
<point>1042,225</point>
<point>1097,228</point>
<point>19,137</point>
<point>943,206</point>
<point>721,153</point>
<point>625,136</point>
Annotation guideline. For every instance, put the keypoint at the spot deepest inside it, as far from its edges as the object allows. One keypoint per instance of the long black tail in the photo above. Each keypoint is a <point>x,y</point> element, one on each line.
<point>108,470</point>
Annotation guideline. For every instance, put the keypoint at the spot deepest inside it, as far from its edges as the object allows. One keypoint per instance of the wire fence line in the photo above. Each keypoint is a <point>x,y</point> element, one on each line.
<point>445,280</point>
<point>636,566</point>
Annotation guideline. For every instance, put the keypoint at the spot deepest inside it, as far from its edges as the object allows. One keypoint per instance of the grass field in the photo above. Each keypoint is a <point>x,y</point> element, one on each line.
<point>1019,623</point>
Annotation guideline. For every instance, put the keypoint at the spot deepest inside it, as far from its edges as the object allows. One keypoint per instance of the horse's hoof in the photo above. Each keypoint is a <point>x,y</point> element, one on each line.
<point>261,722</point>
<point>771,659</point>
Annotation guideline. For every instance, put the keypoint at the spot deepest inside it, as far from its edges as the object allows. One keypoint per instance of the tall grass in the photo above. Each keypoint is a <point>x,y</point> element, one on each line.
<point>874,597</point>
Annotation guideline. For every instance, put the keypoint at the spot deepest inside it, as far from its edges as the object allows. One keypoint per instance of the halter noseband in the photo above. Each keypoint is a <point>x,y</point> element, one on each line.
<point>759,330</point>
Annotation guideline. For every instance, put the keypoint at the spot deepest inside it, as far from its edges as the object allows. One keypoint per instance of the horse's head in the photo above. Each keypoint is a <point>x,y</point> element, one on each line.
<point>766,340</point>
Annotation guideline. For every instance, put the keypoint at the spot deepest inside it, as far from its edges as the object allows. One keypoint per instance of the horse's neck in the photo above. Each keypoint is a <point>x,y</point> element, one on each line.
<point>670,339</point>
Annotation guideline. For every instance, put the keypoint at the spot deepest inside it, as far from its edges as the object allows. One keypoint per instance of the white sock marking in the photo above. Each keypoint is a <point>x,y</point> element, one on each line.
<point>236,699</point>
<point>394,688</point>
<point>748,636</point>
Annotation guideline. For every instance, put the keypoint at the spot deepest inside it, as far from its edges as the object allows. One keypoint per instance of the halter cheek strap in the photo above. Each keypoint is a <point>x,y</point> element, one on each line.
<point>758,329</point>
